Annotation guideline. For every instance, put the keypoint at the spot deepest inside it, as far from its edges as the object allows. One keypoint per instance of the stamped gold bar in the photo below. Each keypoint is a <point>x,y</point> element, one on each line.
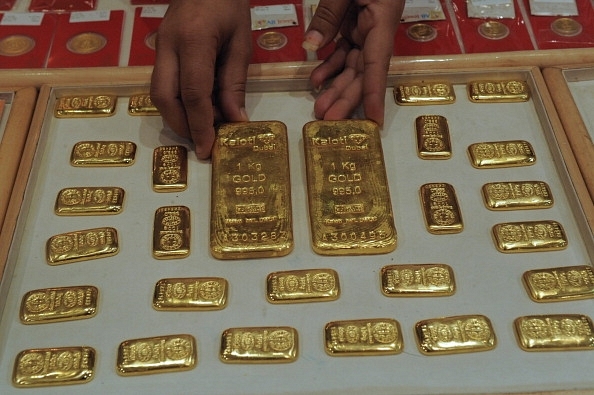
<point>313,285</point>
<point>560,283</point>
<point>501,154</point>
<point>171,232</point>
<point>159,354</point>
<point>378,336</point>
<point>103,153</point>
<point>433,137</point>
<point>86,106</point>
<point>440,208</point>
<point>259,345</point>
<point>556,332</point>
<point>424,93</point>
<point>170,168</point>
<point>42,306</point>
<point>456,334</point>
<point>192,293</point>
<point>517,195</point>
<point>498,91</point>
<point>89,201</point>
<point>350,210</point>
<point>428,279</point>
<point>40,367</point>
<point>82,245</point>
<point>142,105</point>
<point>251,192</point>
<point>529,236</point>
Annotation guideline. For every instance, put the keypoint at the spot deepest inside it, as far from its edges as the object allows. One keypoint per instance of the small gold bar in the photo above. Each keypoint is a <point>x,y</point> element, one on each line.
<point>433,137</point>
<point>456,334</point>
<point>560,283</point>
<point>428,279</point>
<point>529,236</point>
<point>87,106</point>
<point>498,91</point>
<point>103,153</point>
<point>251,192</point>
<point>171,232</point>
<point>556,332</point>
<point>142,105</point>
<point>89,201</point>
<point>40,367</point>
<point>424,93</point>
<point>517,195</point>
<point>82,245</point>
<point>378,336</point>
<point>170,168</point>
<point>501,154</point>
<point>440,208</point>
<point>259,345</point>
<point>190,294</point>
<point>47,305</point>
<point>348,194</point>
<point>313,285</point>
<point>159,354</point>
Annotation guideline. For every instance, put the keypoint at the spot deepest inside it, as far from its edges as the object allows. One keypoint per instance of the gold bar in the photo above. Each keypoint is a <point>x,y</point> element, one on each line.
<point>82,245</point>
<point>433,137</point>
<point>142,105</point>
<point>251,192</point>
<point>171,232</point>
<point>498,91</point>
<point>429,279</point>
<point>313,285</point>
<point>159,354</point>
<point>456,334</point>
<point>170,168</point>
<point>193,293</point>
<point>501,154</point>
<point>103,153</point>
<point>348,194</point>
<point>39,367</point>
<point>424,93</point>
<point>556,332</point>
<point>379,336</point>
<point>88,106</point>
<point>560,283</point>
<point>529,236</point>
<point>47,305</point>
<point>517,195</point>
<point>259,345</point>
<point>441,209</point>
<point>89,201</point>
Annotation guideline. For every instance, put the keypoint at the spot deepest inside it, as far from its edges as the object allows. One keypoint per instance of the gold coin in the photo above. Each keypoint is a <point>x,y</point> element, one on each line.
<point>493,30</point>
<point>86,43</point>
<point>421,32</point>
<point>272,41</point>
<point>151,40</point>
<point>16,45</point>
<point>566,27</point>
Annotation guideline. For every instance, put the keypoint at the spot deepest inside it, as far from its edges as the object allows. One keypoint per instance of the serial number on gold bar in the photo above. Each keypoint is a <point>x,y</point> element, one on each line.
<point>89,201</point>
<point>424,93</point>
<point>556,332</point>
<point>428,279</point>
<point>59,304</point>
<point>192,293</point>
<point>378,336</point>
<point>514,195</point>
<point>302,286</point>
<point>348,194</point>
<point>170,168</point>
<point>141,105</point>
<point>560,283</point>
<point>433,137</point>
<point>456,334</point>
<point>529,236</point>
<point>40,367</point>
<point>171,232</point>
<point>440,208</point>
<point>498,91</point>
<point>259,345</point>
<point>496,154</point>
<point>103,153</point>
<point>251,215</point>
<point>86,106</point>
<point>159,354</point>
<point>82,245</point>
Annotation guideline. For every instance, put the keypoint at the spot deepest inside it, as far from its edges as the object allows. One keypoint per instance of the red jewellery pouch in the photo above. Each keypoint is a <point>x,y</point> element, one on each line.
<point>144,34</point>
<point>62,5</point>
<point>25,39</point>
<point>6,5</point>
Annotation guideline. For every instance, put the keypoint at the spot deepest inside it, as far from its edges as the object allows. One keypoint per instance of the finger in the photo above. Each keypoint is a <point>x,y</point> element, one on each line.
<point>376,61</point>
<point>325,23</point>
<point>348,101</point>
<point>335,91</point>
<point>331,66</point>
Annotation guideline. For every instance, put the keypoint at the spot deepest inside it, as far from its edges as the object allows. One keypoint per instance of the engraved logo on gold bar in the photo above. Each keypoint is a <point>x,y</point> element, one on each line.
<point>433,137</point>
<point>457,334</point>
<point>82,245</point>
<point>498,91</point>
<point>560,283</point>
<point>440,208</point>
<point>302,286</point>
<point>259,345</point>
<point>429,279</point>
<point>85,106</point>
<point>59,304</point>
<point>171,232</point>
<point>170,168</point>
<point>103,153</point>
<point>515,195</point>
<point>501,154</point>
<point>423,93</point>
<point>529,236</point>
<point>194,293</point>
<point>89,201</point>
<point>557,332</point>
<point>141,105</point>
<point>379,336</point>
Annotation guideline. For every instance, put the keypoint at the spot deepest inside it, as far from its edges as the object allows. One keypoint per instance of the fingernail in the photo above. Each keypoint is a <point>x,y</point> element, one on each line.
<point>313,40</point>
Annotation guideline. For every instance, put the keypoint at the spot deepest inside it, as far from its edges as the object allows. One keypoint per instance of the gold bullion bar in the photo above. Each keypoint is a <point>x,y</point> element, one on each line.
<point>428,279</point>
<point>259,345</point>
<point>40,367</point>
<point>192,293</point>
<point>86,106</point>
<point>560,283</point>
<point>456,334</point>
<point>171,232</point>
<point>170,168</point>
<point>556,332</point>
<point>424,93</point>
<point>142,105</point>
<point>441,209</point>
<point>89,201</point>
<point>513,195</point>
<point>501,154</point>
<point>349,200</point>
<point>312,285</point>
<point>433,137</point>
<point>529,236</point>
<point>42,306</point>
<point>378,336</point>
<point>251,192</point>
<point>498,91</point>
<point>103,153</point>
<point>82,245</point>
<point>159,354</point>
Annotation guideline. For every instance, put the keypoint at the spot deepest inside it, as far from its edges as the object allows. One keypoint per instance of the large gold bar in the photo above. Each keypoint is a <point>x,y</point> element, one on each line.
<point>259,345</point>
<point>457,334</point>
<point>302,286</point>
<point>529,236</point>
<point>556,332</point>
<point>251,192</point>
<point>560,283</point>
<point>498,91</point>
<point>47,305</point>
<point>501,154</point>
<point>428,279</point>
<point>433,137</point>
<point>89,201</point>
<point>350,210</point>
<point>440,208</point>
<point>82,245</point>
<point>171,232</point>
<point>103,153</point>
<point>378,336</point>
<point>424,93</point>
<point>516,195</point>
<point>170,168</point>
<point>192,293</point>
<point>85,106</point>
<point>142,105</point>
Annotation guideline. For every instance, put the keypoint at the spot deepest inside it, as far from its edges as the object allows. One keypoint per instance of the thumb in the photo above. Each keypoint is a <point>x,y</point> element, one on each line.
<point>325,23</point>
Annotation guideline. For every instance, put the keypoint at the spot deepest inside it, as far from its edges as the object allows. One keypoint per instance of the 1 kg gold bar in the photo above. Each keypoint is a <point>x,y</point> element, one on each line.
<point>501,154</point>
<point>47,305</point>
<point>192,293</point>
<point>142,105</point>
<point>171,232</point>
<point>560,283</point>
<point>529,236</point>
<point>428,279</point>
<point>302,286</point>
<point>440,208</point>
<point>498,91</point>
<point>433,137</point>
<point>170,168</point>
<point>89,201</point>
<point>350,210</point>
<point>453,335</point>
<point>82,245</point>
<point>556,332</point>
<point>259,345</point>
<point>86,106</point>
<point>424,93</point>
<point>517,195</point>
<point>103,153</point>
<point>378,336</point>
<point>251,192</point>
